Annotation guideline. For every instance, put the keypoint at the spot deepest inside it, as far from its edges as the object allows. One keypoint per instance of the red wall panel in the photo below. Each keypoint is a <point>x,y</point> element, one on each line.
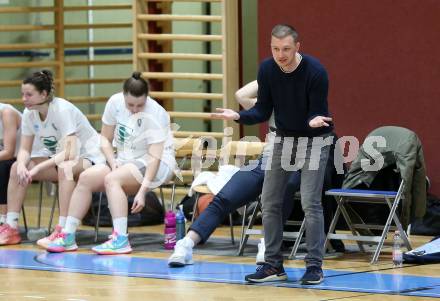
<point>383,60</point>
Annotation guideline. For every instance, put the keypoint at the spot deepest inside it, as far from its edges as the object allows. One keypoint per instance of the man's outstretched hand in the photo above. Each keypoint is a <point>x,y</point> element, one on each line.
<point>320,121</point>
<point>226,114</point>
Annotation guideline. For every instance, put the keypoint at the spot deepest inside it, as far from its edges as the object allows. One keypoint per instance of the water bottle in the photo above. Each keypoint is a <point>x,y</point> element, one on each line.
<point>397,251</point>
<point>180,223</point>
<point>261,250</point>
<point>170,230</point>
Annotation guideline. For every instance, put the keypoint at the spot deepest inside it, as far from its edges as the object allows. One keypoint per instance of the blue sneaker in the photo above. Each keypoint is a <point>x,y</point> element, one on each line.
<point>117,244</point>
<point>267,272</point>
<point>313,275</point>
<point>63,242</point>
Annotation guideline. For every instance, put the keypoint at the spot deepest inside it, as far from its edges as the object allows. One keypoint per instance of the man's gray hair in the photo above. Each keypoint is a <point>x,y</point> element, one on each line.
<point>281,31</point>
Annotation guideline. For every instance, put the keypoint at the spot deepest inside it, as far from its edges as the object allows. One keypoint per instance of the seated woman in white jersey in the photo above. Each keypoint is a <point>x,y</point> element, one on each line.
<point>10,119</point>
<point>140,130</point>
<point>70,143</point>
<point>10,134</point>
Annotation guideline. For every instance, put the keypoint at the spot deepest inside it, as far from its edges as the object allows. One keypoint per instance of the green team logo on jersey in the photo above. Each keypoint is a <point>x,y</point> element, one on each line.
<point>50,143</point>
<point>123,133</point>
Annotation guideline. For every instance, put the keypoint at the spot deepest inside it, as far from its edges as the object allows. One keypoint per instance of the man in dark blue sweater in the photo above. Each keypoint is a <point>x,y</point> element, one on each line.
<point>295,87</point>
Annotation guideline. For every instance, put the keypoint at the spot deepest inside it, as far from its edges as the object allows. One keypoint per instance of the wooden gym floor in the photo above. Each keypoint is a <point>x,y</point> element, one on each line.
<point>28,273</point>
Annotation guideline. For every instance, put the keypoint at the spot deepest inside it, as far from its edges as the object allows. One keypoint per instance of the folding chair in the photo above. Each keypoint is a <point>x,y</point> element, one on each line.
<point>391,198</point>
<point>248,230</point>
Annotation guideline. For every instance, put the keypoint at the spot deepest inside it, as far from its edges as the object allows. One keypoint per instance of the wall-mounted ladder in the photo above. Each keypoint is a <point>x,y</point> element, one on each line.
<point>172,69</point>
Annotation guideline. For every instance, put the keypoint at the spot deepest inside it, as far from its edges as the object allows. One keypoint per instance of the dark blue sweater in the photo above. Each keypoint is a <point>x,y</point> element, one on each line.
<point>295,97</point>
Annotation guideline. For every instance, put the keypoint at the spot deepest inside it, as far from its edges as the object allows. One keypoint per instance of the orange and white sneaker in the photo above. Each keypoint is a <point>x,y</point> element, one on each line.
<point>9,235</point>
<point>46,241</point>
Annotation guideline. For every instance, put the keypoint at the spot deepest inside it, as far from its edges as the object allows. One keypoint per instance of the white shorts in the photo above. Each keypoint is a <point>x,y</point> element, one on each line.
<point>95,158</point>
<point>42,152</point>
<point>163,175</point>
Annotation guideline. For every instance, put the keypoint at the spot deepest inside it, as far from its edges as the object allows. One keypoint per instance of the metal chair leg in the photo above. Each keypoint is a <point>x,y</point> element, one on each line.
<point>298,239</point>
<point>162,199</point>
<point>40,203</point>
<point>173,195</point>
<point>98,217</point>
<point>388,225</point>
<point>231,227</point>
<point>24,219</point>
<point>54,202</point>
<point>248,228</point>
<point>243,224</point>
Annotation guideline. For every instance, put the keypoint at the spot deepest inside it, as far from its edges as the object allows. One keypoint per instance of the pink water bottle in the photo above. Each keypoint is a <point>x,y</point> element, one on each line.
<point>170,230</point>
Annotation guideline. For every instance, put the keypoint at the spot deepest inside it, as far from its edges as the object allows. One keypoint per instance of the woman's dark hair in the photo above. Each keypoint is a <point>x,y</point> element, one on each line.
<point>42,81</point>
<point>136,85</point>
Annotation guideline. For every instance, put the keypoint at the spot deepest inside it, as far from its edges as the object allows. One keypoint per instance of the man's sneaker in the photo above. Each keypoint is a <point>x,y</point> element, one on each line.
<point>313,275</point>
<point>266,272</point>
<point>46,241</point>
<point>63,242</point>
<point>9,235</point>
<point>182,254</point>
<point>117,244</point>
<point>261,250</point>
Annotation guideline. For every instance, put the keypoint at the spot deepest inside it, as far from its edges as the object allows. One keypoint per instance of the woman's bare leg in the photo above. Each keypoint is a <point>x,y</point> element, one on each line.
<point>17,192</point>
<point>68,173</point>
<point>91,180</point>
<point>118,184</point>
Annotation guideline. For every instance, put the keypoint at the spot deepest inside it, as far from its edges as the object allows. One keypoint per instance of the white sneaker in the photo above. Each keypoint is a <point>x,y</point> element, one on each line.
<point>182,254</point>
<point>46,241</point>
<point>261,250</point>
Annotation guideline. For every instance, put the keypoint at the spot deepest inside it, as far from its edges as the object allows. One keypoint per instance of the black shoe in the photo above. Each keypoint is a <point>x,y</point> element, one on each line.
<point>266,272</point>
<point>313,275</point>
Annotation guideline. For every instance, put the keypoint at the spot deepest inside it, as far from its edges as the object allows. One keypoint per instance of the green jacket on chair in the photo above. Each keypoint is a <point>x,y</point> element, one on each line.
<point>404,149</point>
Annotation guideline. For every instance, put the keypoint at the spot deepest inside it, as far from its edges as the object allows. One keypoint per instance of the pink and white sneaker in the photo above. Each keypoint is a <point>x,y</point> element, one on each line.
<point>9,235</point>
<point>46,241</point>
